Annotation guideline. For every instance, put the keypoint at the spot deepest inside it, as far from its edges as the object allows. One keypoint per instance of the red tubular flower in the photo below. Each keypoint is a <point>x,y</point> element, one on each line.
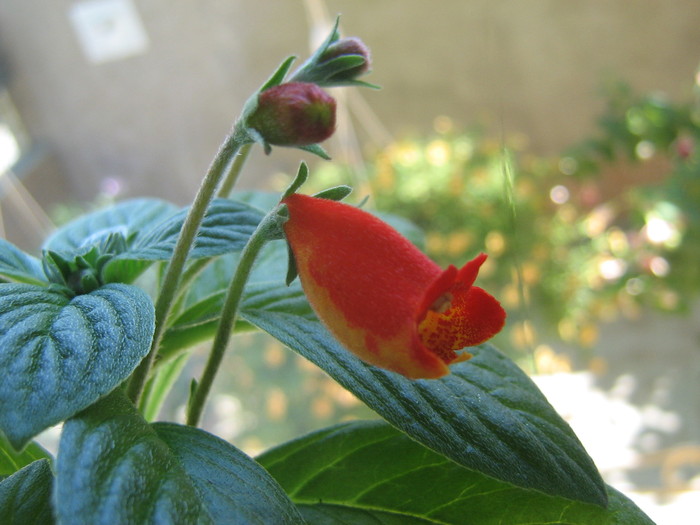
<point>380,296</point>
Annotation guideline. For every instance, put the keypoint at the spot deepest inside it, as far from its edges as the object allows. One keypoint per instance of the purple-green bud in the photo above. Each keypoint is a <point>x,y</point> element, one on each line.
<point>294,114</point>
<point>348,46</point>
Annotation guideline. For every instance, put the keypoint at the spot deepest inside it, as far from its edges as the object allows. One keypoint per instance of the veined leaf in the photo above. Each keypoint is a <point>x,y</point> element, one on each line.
<point>15,265</point>
<point>127,218</point>
<point>369,470</point>
<point>113,467</point>
<point>151,228</point>
<point>59,355</point>
<point>25,497</point>
<point>232,486</point>
<point>487,415</point>
<point>225,228</point>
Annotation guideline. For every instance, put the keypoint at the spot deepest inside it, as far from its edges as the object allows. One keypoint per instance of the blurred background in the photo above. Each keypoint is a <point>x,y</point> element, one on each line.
<point>562,138</point>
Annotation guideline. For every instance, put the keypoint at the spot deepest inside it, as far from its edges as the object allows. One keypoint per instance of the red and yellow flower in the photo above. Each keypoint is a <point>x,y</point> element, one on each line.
<point>380,296</point>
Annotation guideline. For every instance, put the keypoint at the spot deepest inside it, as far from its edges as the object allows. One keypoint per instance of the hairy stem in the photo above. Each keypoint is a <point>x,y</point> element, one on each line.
<point>229,313</point>
<point>232,176</point>
<point>173,272</point>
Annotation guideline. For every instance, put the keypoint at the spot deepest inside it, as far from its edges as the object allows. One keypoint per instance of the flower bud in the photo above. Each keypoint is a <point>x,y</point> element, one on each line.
<point>293,114</point>
<point>345,47</point>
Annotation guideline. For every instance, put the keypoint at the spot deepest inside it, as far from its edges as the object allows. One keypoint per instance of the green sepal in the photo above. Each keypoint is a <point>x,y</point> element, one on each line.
<point>278,76</point>
<point>337,193</point>
<point>357,83</point>
<point>300,74</point>
<point>316,150</point>
<point>330,68</point>
<point>299,180</point>
<point>292,272</point>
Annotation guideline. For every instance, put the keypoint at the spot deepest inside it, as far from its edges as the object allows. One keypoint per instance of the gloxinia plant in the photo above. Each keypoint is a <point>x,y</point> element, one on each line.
<point>94,332</point>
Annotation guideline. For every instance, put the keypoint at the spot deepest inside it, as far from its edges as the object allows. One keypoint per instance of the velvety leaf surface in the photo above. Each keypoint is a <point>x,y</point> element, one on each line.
<point>151,228</point>
<point>59,355</point>
<point>226,227</point>
<point>127,218</point>
<point>369,472</point>
<point>18,266</point>
<point>113,468</point>
<point>487,415</point>
<point>25,497</point>
<point>11,460</point>
<point>233,487</point>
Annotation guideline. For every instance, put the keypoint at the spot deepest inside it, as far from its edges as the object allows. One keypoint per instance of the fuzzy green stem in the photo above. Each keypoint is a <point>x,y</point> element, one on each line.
<point>173,272</point>
<point>232,175</point>
<point>229,313</point>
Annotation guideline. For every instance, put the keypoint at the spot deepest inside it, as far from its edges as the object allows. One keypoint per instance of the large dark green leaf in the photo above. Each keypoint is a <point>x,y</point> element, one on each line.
<point>113,467</point>
<point>486,415</point>
<point>233,487</point>
<point>25,497</point>
<point>11,460</point>
<point>59,355</point>
<point>365,471</point>
<point>15,265</point>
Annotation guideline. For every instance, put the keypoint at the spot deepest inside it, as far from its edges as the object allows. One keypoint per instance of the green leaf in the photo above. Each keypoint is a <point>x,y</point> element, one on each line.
<point>11,460</point>
<point>127,218</point>
<point>113,467</point>
<point>324,514</point>
<point>369,469</point>
<point>59,355</point>
<point>15,265</point>
<point>232,486</point>
<point>226,227</point>
<point>25,497</point>
<point>151,228</point>
<point>486,415</point>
